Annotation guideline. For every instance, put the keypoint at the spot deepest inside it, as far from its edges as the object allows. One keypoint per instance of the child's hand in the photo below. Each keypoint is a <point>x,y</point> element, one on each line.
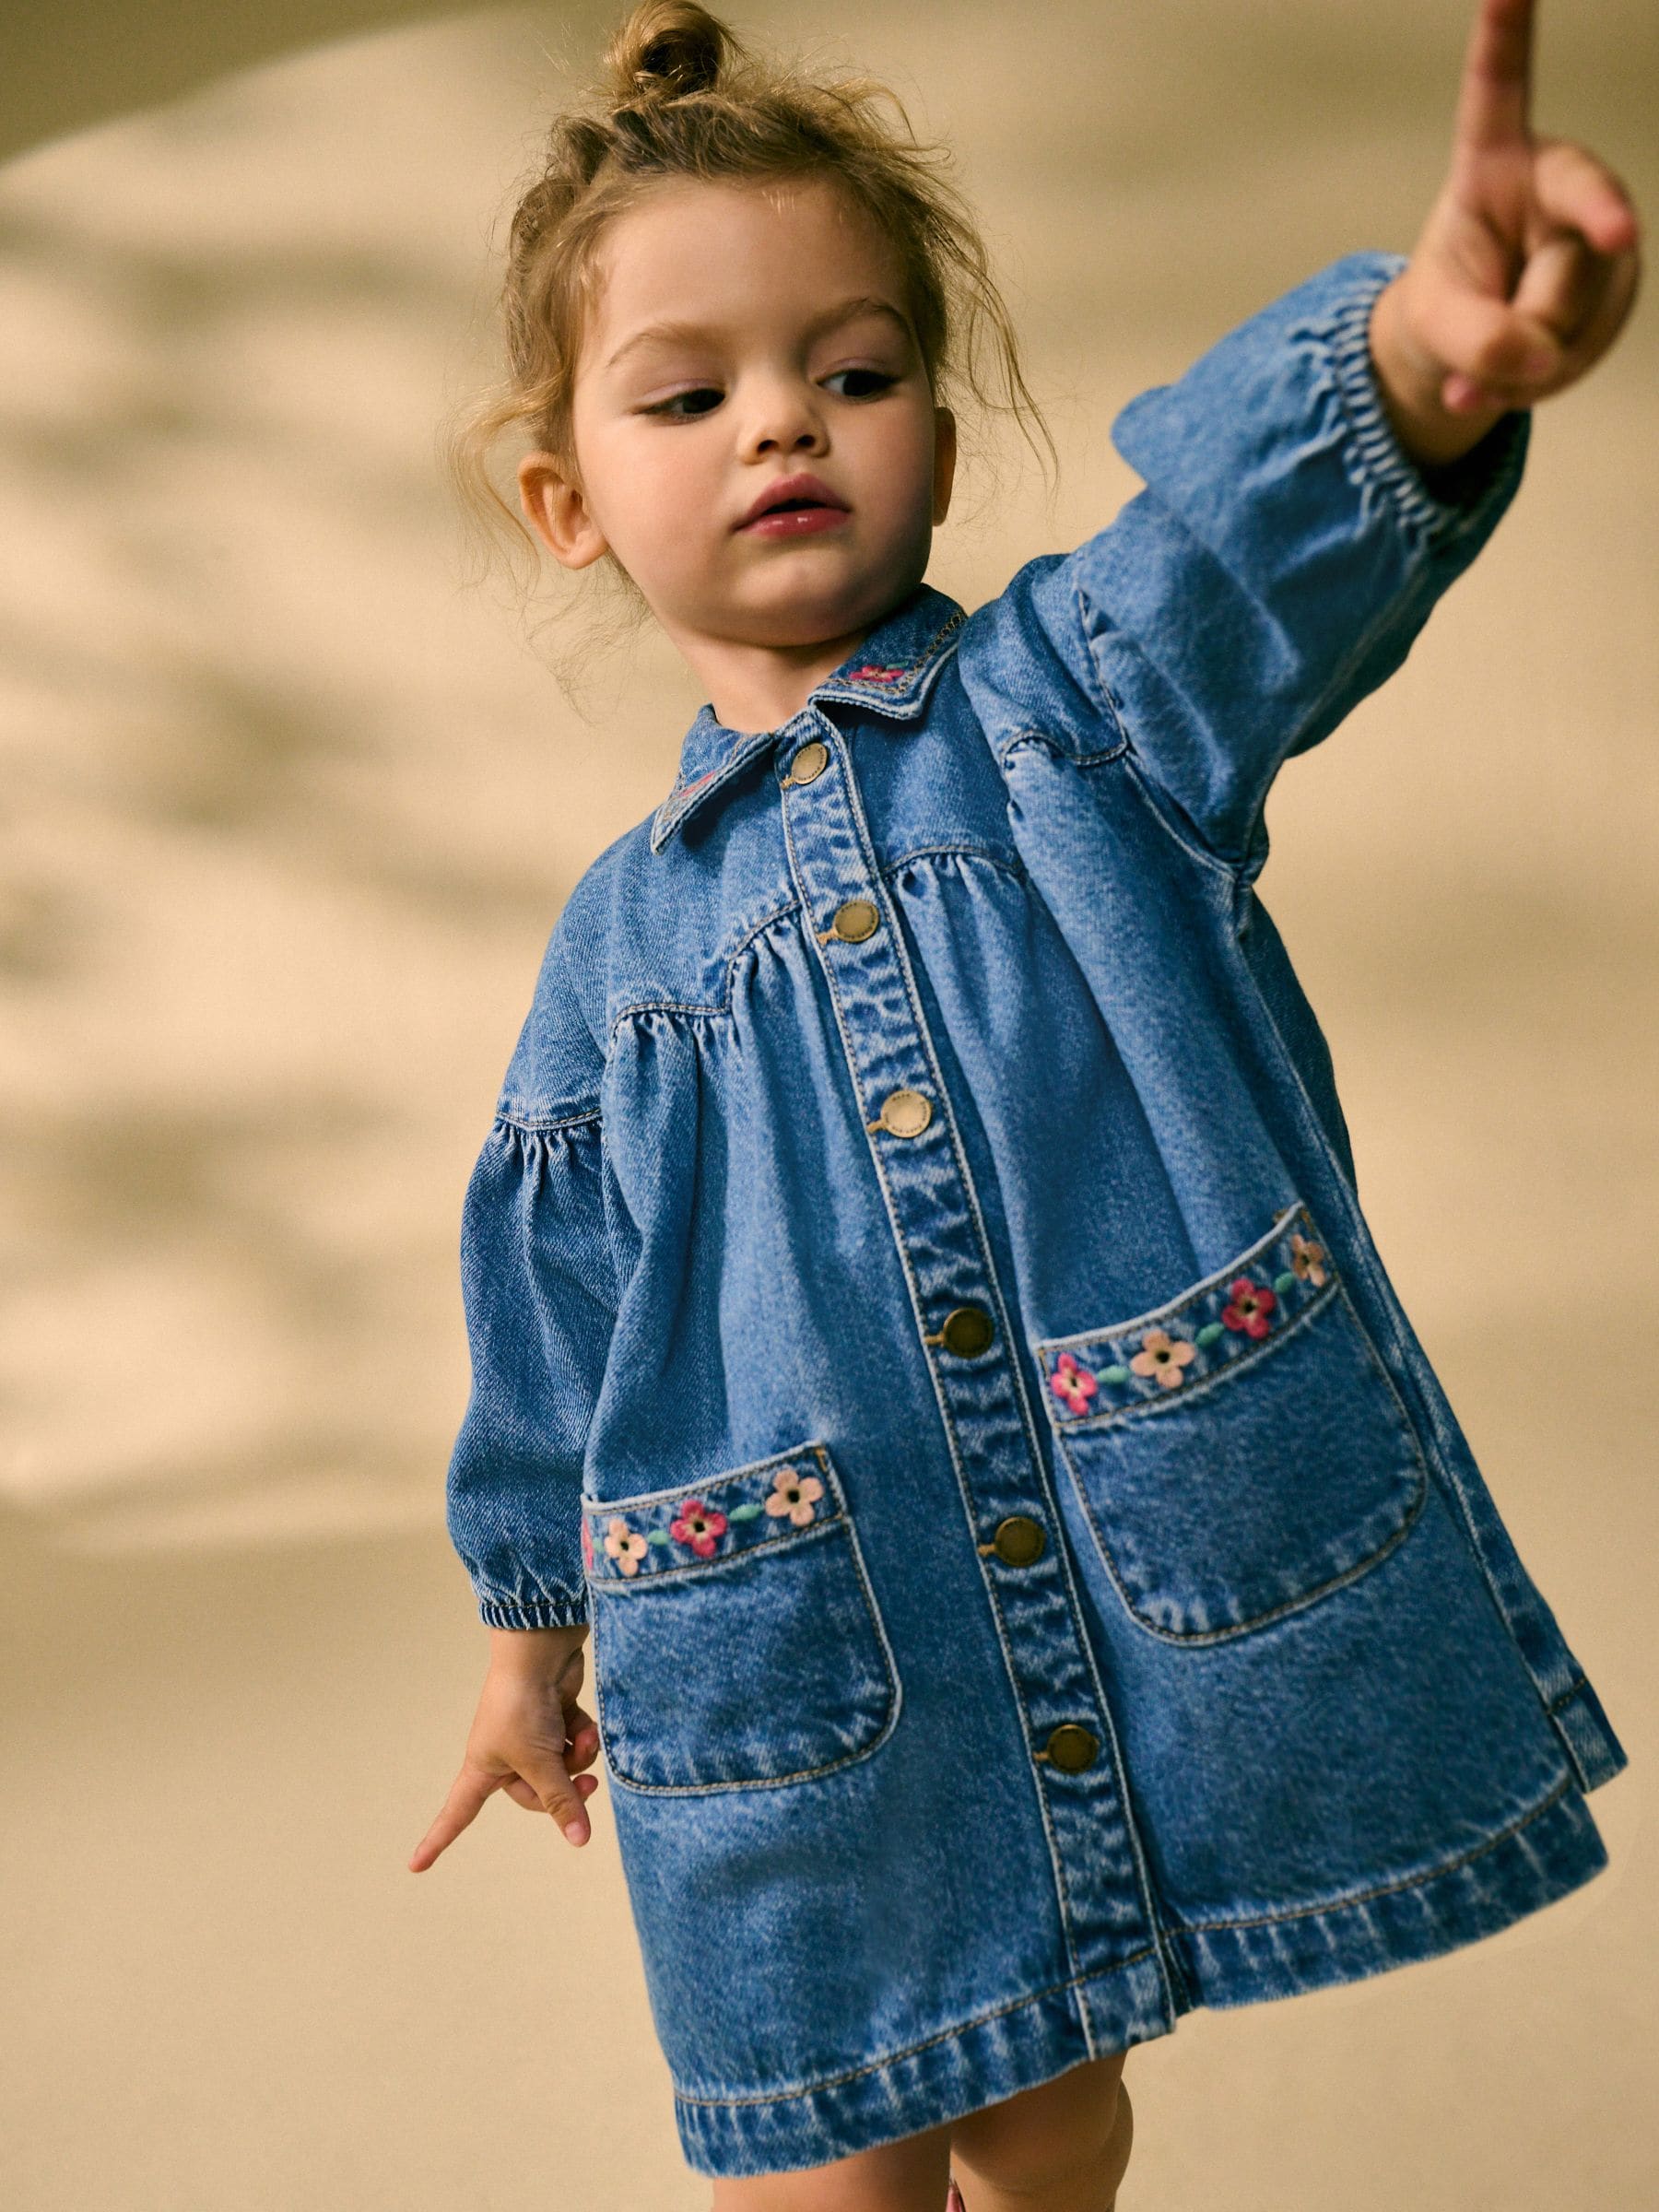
<point>1526,269</point>
<point>529,1736</point>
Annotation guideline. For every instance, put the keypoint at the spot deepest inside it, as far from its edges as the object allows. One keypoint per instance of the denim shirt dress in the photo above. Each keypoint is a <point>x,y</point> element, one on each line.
<point>921,1314</point>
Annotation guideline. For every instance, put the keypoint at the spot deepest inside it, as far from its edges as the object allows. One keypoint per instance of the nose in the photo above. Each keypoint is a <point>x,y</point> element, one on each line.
<point>783,416</point>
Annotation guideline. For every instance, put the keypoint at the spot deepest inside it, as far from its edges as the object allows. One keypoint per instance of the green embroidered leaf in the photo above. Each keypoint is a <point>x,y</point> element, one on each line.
<point>1209,1333</point>
<point>1286,1281</point>
<point>744,1512</point>
<point>1115,1374</point>
<point>659,1535</point>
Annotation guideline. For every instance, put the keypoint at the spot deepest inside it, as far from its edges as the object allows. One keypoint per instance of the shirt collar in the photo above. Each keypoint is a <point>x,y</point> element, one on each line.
<point>891,672</point>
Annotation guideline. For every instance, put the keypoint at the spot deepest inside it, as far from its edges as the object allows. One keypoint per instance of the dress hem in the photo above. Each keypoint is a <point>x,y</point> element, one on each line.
<point>956,2072</point>
<point>1544,1856</point>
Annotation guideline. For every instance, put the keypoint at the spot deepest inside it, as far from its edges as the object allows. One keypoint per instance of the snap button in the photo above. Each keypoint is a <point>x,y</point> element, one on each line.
<point>856,919</point>
<point>1020,1539</point>
<point>1072,1749</point>
<point>967,1330</point>
<point>904,1114</point>
<point>811,760</point>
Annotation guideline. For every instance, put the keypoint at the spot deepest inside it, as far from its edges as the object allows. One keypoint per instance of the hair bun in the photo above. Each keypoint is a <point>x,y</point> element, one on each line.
<point>666,49</point>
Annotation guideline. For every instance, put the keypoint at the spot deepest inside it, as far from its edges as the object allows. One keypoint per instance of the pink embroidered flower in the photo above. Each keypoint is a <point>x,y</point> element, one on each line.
<point>1251,1304</point>
<point>1072,1382</point>
<point>627,1549</point>
<point>795,1495</point>
<point>1307,1258</point>
<point>1165,1357</point>
<point>699,1525</point>
<point>587,1543</point>
<point>876,675</point>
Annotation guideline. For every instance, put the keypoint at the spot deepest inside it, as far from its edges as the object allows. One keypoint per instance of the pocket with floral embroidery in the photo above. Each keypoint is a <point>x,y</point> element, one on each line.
<point>736,1640</point>
<point>1241,1449</point>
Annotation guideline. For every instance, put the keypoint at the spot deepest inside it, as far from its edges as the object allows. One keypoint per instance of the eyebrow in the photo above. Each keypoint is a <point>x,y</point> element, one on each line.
<point>863,303</point>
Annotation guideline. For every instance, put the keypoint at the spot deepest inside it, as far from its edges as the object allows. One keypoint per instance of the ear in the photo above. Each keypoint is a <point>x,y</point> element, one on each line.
<point>557,513</point>
<point>945,454</point>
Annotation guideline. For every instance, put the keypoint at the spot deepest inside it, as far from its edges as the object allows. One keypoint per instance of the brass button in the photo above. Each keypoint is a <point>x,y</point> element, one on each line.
<point>1020,1539</point>
<point>811,760</point>
<point>1073,1748</point>
<point>967,1329</point>
<point>905,1113</point>
<point>856,919</point>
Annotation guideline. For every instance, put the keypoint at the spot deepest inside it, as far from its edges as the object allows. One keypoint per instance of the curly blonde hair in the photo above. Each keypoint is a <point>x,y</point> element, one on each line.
<point>683,98</point>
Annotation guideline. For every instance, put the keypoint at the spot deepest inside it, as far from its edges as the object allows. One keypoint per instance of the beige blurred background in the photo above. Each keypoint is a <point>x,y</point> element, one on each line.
<point>286,813</point>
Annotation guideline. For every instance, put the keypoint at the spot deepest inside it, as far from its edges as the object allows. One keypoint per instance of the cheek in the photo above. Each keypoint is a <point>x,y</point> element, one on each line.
<point>906,454</point>
<point>664,466</point>
<point>635,482</point>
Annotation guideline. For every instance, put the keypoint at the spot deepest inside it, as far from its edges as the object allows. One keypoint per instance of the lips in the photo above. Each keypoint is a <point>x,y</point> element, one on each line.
<point>792,493</point>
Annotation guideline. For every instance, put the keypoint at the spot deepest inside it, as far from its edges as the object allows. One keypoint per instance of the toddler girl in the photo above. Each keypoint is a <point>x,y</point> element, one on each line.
<point>921,1317</point>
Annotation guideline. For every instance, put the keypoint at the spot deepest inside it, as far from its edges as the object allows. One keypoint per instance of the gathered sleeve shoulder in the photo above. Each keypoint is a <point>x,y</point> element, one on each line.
<point>1278,565</point>
<point>540,1294</point>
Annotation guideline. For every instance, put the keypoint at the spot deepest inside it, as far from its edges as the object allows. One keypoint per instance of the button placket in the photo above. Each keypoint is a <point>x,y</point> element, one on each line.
<point>1019,1540</point>
<point>1100,1879</point>
<point>856,919</point>
<point>903,1113</point>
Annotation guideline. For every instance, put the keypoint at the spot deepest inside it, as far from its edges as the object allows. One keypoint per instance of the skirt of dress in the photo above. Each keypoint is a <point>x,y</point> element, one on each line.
<point>919,1807</point>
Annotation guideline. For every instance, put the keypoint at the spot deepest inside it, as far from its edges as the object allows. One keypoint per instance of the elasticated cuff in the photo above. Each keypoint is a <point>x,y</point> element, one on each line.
<point>1465,492</point>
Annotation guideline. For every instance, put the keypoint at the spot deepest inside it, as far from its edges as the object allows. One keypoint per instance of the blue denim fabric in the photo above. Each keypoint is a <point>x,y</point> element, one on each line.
<point>921,1314</point>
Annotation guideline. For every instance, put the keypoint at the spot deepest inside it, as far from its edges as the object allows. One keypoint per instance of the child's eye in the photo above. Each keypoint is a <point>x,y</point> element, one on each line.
<point>667,407</point>
<point>662,406</point>
<point>880,376</point>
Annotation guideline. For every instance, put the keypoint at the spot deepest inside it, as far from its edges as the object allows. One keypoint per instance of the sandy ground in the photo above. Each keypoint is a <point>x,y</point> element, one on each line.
<point>286,813</point>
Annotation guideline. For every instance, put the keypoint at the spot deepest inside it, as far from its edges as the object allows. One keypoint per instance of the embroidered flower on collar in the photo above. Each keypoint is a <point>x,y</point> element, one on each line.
<point>1249,1307</point>
<point>1072,1382</point>
<point>627,1549</point>
<point>1164,1356</point>
<point>1307,1258</point>
<point>868,673</point>
<point>795,1495</point>
<point>699,1525</point>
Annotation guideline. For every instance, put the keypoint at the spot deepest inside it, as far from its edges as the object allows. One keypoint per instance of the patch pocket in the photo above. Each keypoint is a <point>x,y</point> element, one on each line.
<point>736,1640</point>
<point>1241,1449</point>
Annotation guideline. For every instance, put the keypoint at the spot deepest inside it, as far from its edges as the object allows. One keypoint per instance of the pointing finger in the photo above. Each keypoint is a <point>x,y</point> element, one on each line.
<point>1495,96</point>
<point>467,1794</point>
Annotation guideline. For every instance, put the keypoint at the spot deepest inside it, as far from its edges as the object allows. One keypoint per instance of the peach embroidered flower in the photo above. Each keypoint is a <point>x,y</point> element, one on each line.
<point>699,1525</point>
<point>795,1495</point>
<point>1249,1305</point>
<point>1072,1382</point>
<point>627,1549</point>
<point>1163,1356</point>
<point>1307,1258</point>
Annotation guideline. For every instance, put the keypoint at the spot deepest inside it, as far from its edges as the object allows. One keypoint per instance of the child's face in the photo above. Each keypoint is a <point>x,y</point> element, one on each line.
<point>676,436</point>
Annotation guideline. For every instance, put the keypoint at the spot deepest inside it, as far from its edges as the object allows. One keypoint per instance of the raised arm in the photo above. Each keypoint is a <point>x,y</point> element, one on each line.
<point>1523,273</point>
<point>1318,479</point>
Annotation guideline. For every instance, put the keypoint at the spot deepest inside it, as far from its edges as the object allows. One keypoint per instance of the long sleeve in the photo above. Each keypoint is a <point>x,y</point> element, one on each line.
<point>539,1288</point>
<point>1280,562</point>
